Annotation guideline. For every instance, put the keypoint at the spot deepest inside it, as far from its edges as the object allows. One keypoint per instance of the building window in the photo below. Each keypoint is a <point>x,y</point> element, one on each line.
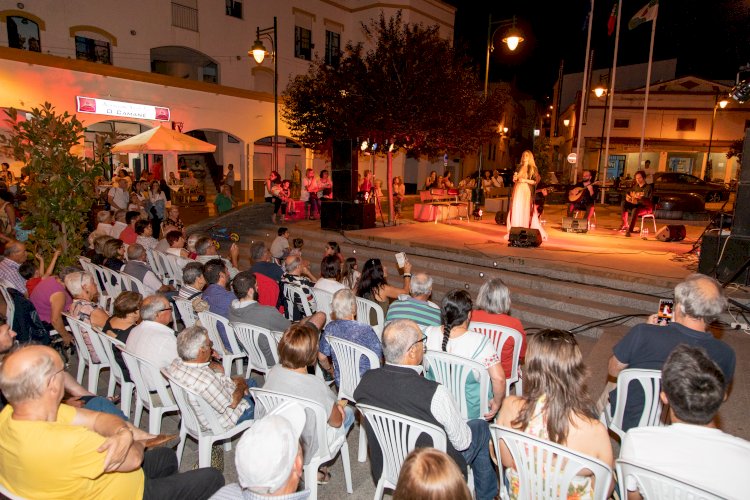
<point>234,8</point>
<point>302,43</point>
<point>23,34</point>
<point>211,73</point>
<point>88,49</point>
<point>333,48</point>
<point>621,123</point>
<point>686,124</point>
<point>185,14</point>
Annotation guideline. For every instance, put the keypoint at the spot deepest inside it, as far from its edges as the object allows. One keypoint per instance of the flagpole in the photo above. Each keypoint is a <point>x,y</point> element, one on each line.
<point>648,87</point>
<point>612,93</point>
<point>584,96</point>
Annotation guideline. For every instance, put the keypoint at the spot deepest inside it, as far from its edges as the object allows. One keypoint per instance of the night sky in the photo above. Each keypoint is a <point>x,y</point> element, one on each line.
<point>709,38</point>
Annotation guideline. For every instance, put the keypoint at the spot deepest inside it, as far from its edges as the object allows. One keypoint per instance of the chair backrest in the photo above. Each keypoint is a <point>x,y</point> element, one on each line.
<point>84,356</point>
<point>268,290</point>
<point>187,400</point>
<point>174,265</point>
<point>348,356</point>
<point>154,263</point>
<point>113,282</point>
<point>133,284</point>
<point>323,301</point>
<point>100,278</point>
<point>210,322</point>
<point>187,313</point>
<point>546,469</point>
<point>397,436</point>
<point>9,306</point>
<point>453,372</point>
<point>147,378</point>
<point>78,327</point>
<point>249,336</point>
<point>499,336</point>
<point>654,484</point>
<point>110,344</point>
<point>653,408</point>
<point>294,294</point>
<point>364,309</point>
<point>163,265</point>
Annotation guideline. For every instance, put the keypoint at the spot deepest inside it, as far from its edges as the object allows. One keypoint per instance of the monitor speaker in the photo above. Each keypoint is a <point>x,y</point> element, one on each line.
<point>524,237</point>
<point>672,232</point>
<point>571,225</point>
<point>346,215</point>
<point>723,256</point>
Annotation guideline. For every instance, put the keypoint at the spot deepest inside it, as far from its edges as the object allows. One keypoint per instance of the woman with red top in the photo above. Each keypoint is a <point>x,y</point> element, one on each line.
<point>493,304</point>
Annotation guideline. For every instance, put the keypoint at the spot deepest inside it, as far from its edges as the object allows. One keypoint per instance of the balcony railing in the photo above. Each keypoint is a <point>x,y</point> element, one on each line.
<point>184,16</point>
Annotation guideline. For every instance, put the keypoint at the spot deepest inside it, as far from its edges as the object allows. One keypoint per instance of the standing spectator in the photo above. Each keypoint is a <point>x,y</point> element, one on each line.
<point>128,235</point>
<point>6,175</point>
<point>296,181</point>
<point>310,190</point>
<point>399,193</point>
<point>14,255</point>
<point>366,185</point>
<point>430,473</point>
<point>157,207</point>
<point>229,178</point>
<point>118,195</point>
<point>272,192</point>
<point>416,306</point>
<point>224,202</point>
<point>286,198</point>
<point>330,274</point>
<point>216,294</point>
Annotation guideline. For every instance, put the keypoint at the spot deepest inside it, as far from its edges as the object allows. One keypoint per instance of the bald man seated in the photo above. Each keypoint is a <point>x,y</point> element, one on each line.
<point>52,450</point>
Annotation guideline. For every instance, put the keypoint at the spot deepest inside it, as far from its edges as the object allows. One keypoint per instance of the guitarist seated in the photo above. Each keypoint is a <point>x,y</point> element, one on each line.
<point>637,202</point>
<point>583,196</point>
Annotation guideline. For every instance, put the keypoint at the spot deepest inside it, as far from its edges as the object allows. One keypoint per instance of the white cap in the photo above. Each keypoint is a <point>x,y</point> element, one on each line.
<point>266,451</point>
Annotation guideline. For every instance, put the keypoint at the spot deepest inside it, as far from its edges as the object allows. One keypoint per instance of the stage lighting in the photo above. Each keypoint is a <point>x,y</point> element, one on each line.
<point>741,92</point>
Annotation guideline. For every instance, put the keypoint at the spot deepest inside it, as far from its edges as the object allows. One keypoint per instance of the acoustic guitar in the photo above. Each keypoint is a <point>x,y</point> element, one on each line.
<point>575,194</point>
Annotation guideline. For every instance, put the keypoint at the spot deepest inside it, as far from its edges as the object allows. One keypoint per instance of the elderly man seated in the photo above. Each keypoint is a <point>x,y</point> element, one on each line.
<point>52,450</point>
<point>206,251</point>
<point>138,268</point>
<point>417,305</point>
<point>195,369</point>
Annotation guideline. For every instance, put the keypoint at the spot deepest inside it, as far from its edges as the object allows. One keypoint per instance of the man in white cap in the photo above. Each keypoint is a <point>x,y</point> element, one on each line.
<point>269,458</point>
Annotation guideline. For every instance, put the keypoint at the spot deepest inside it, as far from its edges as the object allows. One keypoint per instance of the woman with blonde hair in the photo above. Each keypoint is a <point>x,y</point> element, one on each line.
<point>430,474</point>
<point>522,212</point>
<point>557,407</point>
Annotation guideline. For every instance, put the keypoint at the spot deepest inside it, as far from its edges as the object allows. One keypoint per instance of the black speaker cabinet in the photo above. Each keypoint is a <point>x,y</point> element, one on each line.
<point>734,253</point>
<point>741,223</point>
<point>571,225</point>
<point>524,237</point>
<point>344,165</point>
<point>672,232</point>
<point>346,215</point>
<point>343,190</point>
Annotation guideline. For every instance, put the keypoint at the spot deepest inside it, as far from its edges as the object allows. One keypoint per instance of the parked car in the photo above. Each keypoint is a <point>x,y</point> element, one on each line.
<point>675,182</point>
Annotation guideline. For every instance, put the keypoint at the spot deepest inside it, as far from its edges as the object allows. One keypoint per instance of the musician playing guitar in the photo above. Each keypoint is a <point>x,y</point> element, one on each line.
<point>637,202</point>
<point>583,196</point>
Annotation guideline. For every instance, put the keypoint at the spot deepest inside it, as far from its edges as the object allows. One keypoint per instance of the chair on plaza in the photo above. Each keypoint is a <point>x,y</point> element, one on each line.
<point>175,267</point>
<point>9,306</point>
<point>151,391</point>
<point>118,377</point>
<point>187,313</point>
<point>292,293</point>
<point>210,322</point>
<point>499,336</point>
<point>154,264</point>
<point>348,356</point>
<point>323,301</point>
<point>369,311</point>
<point>546,469</point>
<point>653,408</point>
<point>112,282</point>
<point>655,484</point>
<point>132,284</point>
<point>78,328</point>
<point>187,400</point>
<point>397,436</point>
<point>328,444</point>
<point>249,337</point>
<point>167,273</point>
<point>453,372</point>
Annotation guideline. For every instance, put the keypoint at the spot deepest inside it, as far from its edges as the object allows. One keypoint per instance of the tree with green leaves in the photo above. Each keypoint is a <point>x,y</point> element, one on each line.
<point>411,90</point>
<point>60,190</point>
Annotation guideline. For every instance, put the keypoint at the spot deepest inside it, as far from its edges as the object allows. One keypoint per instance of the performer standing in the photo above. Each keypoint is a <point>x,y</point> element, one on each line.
<point>522,211</point>
<point>637,202</point>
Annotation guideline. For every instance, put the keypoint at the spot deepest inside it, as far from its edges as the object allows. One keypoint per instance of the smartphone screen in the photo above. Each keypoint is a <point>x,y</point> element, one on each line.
<point>400,259</point>
<point>664,314</point>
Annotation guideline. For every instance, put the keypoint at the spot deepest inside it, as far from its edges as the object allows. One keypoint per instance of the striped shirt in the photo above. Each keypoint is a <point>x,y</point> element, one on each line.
<point>423,312</point>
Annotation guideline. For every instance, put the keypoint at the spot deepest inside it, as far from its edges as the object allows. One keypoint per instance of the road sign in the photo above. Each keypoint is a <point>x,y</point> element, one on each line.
<point>572,158</point>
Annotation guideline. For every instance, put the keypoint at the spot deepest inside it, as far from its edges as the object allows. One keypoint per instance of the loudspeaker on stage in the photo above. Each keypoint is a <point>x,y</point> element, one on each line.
<point>672,232</point>
<point>524,237</point>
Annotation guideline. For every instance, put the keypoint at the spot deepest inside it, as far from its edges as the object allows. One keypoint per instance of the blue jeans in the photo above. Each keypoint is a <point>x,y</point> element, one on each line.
<point>103,405</point>
<point>249,413</point>
<point>477,455</point>
<point>348,418</point>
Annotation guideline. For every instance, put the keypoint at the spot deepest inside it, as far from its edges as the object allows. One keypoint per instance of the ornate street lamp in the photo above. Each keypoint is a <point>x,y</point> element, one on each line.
<point>258,51</point>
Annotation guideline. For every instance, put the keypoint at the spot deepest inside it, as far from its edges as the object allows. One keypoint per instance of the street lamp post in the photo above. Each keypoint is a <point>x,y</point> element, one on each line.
<point>258,51</point>
<point>709,165</point>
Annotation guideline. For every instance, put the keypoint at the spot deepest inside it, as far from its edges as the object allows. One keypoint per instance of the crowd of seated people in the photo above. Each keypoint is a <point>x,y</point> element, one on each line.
<point>106,456</point>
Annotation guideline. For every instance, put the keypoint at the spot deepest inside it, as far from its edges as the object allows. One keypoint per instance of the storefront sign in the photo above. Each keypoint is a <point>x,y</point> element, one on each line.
<point>121,109</point>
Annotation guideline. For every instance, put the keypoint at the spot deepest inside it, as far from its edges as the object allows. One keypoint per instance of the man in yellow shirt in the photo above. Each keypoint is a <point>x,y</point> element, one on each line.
<point>52,450</point>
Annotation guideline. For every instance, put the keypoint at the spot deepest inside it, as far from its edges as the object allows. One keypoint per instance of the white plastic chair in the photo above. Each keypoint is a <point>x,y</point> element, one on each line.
<point>79,328</point>
<point>653,409</point>
<point>132,284</point>
<point>158,402</point>
<point>9,306</point>
<point>546,469</point>
<point>364,307</point>
<point>187,313</point>
<point>453,372</point>
<point>249,337</point>
<point>4,493</point>
<point>113,283</point>
<point>397,436</point>
<point>323,301</point>
<point>126,388</point>
<point>175,267</point>
<point>329,444</point>
<point>648,216</point>
<point>499,336</point>
<point>165,266</point>
<point>654,484</point>
<point>190,423</point>
<point>155,264</point>
<point>291,292</point>
<point>348,356</point>
<point>106,301</point>
<point>210,322</point>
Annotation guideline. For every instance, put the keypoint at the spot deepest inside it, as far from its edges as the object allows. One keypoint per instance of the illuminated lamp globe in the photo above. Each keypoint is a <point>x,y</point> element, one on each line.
<point>513,38</point>
<point>723,103</point>
<point>566,122</point>
<point>600,91</point>
<point>258,51</point>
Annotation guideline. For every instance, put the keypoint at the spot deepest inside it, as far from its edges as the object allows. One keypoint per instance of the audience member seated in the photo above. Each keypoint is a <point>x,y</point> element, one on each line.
<point>173,219</point>
<point>269,458</point>
<point>556,406</point>
<point>298,351</point>
<point>280,245</point>
<point>27,325</point>
<point>692,448</point>
<point>14,256</point>
<point>216,294</point>
<point>468,441</point>
<point>373,284</point>
<point>152,339</point>
<point>206,251</point>
<point>144,235</point>
<point>454,337</point>
<point>430,473</point>
<point>138,268</point>
<point>300,276</point>
<point>493,306</point>
<point>128,235</point>
<point>330,274</point>
<point>50,300</point>
<point>344,326</point>
<point>195,369</point>
<point>349,272</point>
<point>698,300</point>
<point>119,225</point>
<point>176,244</point>
<point>84,307</point>
<point>114,254</point>
<point>95,455</point>
<point>99,240</point>
<point>126,314</point>
<point>32,272</point>
<point>193,281</point>
<point>104,222</point>
<point>262,262</point>
<point>416,306</point>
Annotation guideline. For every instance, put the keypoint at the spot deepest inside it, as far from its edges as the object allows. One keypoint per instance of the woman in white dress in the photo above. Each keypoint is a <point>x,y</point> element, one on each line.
<point>522,212</point>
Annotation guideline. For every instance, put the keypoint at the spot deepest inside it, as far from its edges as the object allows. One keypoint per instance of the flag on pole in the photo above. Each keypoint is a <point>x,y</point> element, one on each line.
<point>646,14</point>
<point>585,25</point>
<point>611,22</point>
